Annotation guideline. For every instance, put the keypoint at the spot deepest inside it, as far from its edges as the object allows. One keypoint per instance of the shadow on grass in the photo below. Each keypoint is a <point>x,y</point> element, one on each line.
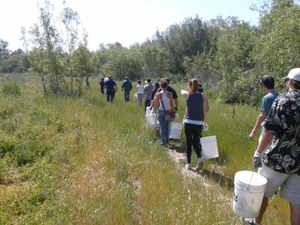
<point>223,181</point>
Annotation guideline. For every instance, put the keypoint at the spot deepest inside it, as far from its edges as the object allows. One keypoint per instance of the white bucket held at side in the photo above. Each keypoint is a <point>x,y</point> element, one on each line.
<point>148,110</point>
<point>175,130</point>
<point>249,189</point>
<point>209,147</point>
<point>151,120</point>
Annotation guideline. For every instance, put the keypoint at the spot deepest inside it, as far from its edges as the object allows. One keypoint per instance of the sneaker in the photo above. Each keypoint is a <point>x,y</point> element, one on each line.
<point>188,166</point>
<point>249,221</point>
<point>199,165</point>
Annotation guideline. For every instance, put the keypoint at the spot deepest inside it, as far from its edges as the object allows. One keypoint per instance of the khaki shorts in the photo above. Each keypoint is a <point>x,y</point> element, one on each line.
<point>288,185</point>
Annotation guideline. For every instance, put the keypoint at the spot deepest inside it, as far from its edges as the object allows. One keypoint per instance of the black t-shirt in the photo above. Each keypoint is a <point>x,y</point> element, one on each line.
<point>170,89</point>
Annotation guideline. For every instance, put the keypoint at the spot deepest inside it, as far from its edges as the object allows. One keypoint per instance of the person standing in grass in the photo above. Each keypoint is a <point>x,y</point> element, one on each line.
<point>147,93</point>
<point>163,105</point>
<point>195,117</point>
<point>126,87</point>
<point>111,88</point>
<point>267,84</point>
<point>139,92</point>
<point>101,83</point>
<point>281,160</point>
<point>174,93</point>
<point>154,90</point>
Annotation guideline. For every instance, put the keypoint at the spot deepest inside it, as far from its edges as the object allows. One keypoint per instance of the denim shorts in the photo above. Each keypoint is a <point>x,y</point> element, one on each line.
<point>288,185</point>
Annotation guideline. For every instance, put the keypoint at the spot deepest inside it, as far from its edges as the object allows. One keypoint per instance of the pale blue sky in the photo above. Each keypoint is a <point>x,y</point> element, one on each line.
<point>125,21</point>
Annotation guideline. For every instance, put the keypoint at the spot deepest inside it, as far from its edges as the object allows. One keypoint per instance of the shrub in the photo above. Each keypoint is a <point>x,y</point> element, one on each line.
<point>6,145</point>
<point>11,89</point>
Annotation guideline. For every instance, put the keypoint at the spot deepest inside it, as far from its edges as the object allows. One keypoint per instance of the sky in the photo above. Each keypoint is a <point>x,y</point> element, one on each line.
<point>124,21</point>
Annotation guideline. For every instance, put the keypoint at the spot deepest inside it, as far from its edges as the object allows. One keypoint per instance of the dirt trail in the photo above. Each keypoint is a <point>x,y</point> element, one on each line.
<point>208,178</point>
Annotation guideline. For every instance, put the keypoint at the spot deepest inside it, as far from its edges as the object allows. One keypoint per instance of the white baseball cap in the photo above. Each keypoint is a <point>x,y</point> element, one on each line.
<point>294,74</point>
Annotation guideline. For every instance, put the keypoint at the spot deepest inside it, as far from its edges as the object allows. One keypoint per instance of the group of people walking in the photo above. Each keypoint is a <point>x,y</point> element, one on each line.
<point>165,104</point>
<point>277,155</point>
<point>108,87</point>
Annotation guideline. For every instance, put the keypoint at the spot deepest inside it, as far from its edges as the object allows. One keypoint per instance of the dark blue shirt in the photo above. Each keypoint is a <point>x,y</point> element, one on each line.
<point>110,85</point>
<point>195,107</point>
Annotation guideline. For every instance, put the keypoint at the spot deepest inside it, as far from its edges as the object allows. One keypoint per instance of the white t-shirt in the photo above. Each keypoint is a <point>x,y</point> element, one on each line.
<point>140,89</point>
<point>166,102</point>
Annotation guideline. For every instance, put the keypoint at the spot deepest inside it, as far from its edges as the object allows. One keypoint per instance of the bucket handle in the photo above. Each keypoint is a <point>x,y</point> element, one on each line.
<point>250,182</point>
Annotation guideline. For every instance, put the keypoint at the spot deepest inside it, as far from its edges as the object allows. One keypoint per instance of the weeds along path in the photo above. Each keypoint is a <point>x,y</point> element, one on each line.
<point>177,157</point>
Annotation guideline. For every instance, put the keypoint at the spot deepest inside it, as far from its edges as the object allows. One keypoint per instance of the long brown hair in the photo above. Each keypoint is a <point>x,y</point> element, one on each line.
<point>164,84</point>
<point>193,85</point>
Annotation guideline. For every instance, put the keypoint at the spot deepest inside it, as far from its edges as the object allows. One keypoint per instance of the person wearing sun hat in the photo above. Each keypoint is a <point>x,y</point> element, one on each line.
<point>281,160</point>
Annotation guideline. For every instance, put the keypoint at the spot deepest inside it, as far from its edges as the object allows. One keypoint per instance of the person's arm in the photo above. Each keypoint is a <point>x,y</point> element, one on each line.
<point>155,102</point>
<point>144,91</point>
<point>265,140</point>
<point>176,103</point>
<point>206,103</point>
<point>115,87</point>
<point>171,101</point>
<point>205,107</point>
<point>257,125</point>
<point>185,94</point>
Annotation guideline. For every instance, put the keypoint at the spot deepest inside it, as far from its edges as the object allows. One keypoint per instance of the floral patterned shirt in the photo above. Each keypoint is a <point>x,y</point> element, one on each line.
<point>283,121</point>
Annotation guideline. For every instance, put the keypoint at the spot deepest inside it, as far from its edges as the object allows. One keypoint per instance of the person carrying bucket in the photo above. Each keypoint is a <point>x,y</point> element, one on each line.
<point>163,104</point>
<point>195,117</point>
<point>281,160</point>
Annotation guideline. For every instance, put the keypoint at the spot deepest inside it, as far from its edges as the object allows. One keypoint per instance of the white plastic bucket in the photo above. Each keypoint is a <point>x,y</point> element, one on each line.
<point>209,147</point>
<point>151,120</point>
<point>175,130</point>
<point>148,110</point>
<point>249,188</point>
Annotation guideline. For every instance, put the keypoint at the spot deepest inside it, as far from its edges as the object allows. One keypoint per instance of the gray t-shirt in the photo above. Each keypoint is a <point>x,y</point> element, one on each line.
<point>148,91</point>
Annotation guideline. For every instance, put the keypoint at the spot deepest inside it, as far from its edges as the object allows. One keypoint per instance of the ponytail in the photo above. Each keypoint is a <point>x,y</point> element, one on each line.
<point>193,85</point>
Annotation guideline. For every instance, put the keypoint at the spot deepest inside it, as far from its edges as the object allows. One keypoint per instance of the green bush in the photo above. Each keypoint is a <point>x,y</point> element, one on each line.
<point>7,144</point>
<point>11,89</point>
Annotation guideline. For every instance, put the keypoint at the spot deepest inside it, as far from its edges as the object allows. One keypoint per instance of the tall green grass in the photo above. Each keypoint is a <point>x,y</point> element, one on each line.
<point>86,161</point>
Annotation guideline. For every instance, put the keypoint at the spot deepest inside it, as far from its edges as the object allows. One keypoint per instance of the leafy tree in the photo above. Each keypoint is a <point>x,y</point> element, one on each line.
<point>52,54</point>
<point>119,61</point>
<point>277,50</point>
<point>4,54</point>
<point>101,59</point>
<point>71,21</point>
<point>82,66</point>
<point>153,59</point>
<point>234,58</point>
<point>181,40</point>
<point>45,56</point>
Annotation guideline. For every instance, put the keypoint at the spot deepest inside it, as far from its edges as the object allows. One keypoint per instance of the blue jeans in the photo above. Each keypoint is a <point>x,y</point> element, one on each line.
<point>164,126</point>
<point>110,95</point>
<point>140,99</point>
<point>126,96</point>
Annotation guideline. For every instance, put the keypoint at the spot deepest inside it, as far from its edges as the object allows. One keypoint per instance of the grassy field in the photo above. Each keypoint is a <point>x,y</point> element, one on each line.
<point>85,161</point>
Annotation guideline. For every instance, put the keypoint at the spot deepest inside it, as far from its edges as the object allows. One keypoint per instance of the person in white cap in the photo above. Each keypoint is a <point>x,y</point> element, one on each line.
<point>281,160</point>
